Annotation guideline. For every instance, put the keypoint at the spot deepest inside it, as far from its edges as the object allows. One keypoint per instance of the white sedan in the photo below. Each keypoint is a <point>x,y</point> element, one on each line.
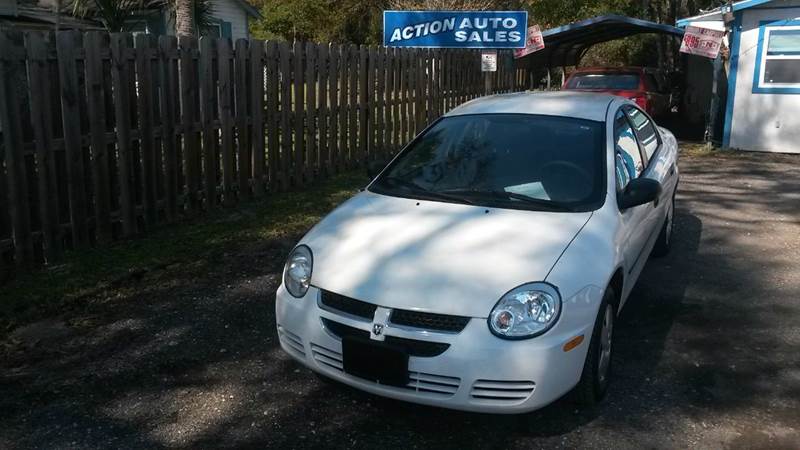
<point>483,269</point>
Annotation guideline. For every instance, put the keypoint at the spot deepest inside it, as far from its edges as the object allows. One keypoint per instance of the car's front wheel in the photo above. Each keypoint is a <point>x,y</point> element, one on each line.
<point>597,367</point>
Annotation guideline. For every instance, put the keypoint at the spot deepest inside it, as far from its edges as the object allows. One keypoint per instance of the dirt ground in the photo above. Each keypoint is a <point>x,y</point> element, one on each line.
<point>707,351</point>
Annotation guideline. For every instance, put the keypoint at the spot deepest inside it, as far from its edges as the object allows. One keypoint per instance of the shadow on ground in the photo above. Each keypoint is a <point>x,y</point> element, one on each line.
<point>706,351</point>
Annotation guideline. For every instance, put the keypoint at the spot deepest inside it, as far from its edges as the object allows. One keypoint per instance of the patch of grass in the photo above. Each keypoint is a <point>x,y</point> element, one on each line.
<point>698,149</point>
<point>84,272</point>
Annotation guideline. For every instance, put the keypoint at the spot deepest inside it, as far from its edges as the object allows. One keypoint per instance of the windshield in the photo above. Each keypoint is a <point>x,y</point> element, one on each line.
<point>605,81</point>
<point>504,160</point>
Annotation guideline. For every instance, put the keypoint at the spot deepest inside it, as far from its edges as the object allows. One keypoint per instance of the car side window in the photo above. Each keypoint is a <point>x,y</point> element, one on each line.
<point>627,156</point>
<point>645,131</point>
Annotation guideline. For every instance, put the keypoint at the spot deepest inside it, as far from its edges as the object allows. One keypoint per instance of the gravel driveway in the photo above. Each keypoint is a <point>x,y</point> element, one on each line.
<point>707,356</point>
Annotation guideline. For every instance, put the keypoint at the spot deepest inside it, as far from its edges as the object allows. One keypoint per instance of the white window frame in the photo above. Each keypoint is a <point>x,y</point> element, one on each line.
<point>762,86</point>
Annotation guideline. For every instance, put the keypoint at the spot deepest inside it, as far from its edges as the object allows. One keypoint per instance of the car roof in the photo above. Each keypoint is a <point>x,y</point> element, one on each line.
<point>580,105</point>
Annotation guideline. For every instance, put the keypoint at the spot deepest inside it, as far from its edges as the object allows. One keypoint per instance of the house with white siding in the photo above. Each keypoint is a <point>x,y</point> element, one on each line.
<point>762,109</point>
<point>231,18</point>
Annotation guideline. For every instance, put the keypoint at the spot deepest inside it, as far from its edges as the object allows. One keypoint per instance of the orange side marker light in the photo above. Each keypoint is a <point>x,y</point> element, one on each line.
<point>572,343</point>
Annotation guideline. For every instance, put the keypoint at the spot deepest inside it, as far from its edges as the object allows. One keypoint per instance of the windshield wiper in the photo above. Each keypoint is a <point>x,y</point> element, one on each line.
<point>422,192</point>
<point>505,195</point>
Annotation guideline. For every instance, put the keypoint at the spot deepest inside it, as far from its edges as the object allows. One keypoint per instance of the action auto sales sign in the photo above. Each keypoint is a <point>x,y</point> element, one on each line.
<point>455,29</point>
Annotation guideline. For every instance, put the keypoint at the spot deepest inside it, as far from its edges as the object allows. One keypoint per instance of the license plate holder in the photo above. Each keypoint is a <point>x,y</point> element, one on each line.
<point>375,361</point>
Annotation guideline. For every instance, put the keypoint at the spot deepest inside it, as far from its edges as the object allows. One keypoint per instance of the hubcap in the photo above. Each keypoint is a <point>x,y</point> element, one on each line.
<point>606,334</point>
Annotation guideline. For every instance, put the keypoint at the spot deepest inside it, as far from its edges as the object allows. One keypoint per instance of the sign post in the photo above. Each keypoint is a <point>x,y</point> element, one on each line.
<point>488,65</point>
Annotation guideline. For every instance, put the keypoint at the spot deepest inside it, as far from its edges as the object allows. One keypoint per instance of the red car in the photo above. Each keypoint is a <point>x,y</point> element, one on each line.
<point>645,86</point>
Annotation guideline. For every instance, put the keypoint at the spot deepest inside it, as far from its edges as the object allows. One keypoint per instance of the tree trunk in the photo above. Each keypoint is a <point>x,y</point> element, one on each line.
<point>184,18</point>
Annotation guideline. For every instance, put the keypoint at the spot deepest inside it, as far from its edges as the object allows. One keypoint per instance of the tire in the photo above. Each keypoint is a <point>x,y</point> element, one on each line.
<point>664,242</point>
<point>597,372</point>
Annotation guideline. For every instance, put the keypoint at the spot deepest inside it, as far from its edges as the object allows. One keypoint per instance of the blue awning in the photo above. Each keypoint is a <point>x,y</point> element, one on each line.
<point>566,45</point>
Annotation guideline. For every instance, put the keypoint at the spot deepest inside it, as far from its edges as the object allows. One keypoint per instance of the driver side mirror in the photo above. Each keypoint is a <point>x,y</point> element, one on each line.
<point>374,168</point>
<point>639,191</point>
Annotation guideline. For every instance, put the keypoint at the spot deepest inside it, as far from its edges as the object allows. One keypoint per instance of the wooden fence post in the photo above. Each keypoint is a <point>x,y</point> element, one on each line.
<point>368,56</point>
<point>190,115</point>
<point>95,44</point>
<point>273,115</point>
<point>322,111</point>
<point>241,89</point>
<point>354,70</point>
<point>42,121</point>
<point>145,51</point>
<point>169,89</point>
<point>312,158</point>
<point>334,53</point>
<point>345,62</point>
<point>122,78</point>
<point>67,43</point>
<point>257,115</point>
<point>299,114</point>
<point>224,65</point>
<point>380,103</point>
<point>208,95</point>
<point>11,74</point>
<point>285,55</point>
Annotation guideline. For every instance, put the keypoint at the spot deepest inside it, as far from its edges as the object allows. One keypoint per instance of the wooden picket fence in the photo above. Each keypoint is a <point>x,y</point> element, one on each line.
<point>106,136</point>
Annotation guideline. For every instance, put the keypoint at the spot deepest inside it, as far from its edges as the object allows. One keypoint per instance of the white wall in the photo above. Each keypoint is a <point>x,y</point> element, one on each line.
<point>230,11</point>
<point>763,122</point>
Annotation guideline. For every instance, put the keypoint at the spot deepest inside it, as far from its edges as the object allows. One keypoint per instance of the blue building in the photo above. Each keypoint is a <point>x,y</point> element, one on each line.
<point>762,109</point>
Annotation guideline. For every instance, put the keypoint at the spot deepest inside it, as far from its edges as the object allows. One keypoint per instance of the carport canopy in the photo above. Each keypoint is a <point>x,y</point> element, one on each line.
<point>566,45</point>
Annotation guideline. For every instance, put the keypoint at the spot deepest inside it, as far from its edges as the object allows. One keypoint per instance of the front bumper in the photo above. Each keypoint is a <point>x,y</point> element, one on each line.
<point>478,372</point>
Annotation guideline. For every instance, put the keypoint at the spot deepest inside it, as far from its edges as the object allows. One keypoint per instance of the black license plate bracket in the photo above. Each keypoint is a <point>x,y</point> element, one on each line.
<point>375,361</point>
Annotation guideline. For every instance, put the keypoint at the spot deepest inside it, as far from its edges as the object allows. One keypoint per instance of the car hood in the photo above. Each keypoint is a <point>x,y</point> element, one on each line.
<point>432,256</point>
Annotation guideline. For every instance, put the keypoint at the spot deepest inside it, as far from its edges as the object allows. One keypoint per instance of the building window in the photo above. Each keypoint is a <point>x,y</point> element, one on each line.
<point>778,58</point>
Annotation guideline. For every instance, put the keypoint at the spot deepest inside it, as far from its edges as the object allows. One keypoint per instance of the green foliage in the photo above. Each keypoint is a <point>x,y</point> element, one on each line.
<point>116,15</point>
<point>351,21</point>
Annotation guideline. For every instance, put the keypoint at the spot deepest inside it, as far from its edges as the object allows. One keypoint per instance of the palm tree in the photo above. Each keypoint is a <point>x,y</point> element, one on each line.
<point>192,17</point>
<point>184,18</point>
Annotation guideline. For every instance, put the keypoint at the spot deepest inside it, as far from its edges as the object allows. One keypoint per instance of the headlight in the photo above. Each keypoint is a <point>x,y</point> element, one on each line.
<point>297,274</point>
<point>526,311</point>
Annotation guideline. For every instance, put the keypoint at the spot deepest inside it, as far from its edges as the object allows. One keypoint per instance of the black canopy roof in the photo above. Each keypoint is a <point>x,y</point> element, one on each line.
<point>566,45</point>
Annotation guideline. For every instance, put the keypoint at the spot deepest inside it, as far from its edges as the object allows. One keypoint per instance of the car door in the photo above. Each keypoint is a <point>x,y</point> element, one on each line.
<point>654,161</point>
<point>629,164</point>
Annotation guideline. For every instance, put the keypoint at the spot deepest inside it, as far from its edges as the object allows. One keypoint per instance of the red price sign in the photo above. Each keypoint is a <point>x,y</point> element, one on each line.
<point>534,42</point>
<point>702,42</point>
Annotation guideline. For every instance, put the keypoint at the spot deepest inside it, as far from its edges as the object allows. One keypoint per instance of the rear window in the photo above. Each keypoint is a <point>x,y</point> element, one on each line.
<point>605,81</point>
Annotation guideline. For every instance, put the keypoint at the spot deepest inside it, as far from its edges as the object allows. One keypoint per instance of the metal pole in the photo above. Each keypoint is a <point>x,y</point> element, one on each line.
<point>711,123</point>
